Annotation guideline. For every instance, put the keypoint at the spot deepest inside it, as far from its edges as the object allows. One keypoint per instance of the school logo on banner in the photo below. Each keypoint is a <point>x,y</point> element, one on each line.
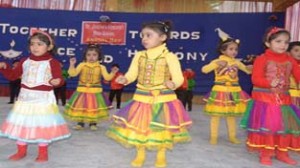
<point>11,53</point>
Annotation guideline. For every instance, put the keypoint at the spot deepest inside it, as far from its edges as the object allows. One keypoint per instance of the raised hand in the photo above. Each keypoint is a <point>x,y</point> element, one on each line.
<point>114,70</point>
<point>3,65</point>
<point>72,61</point>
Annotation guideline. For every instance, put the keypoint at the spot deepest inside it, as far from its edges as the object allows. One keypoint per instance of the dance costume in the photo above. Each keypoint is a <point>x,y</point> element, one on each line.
<point>226,99</point>
<point>271,120</point>
<point>294,90</point>
<point>154,118</point>
<point>35,117</point>
<point>88,104</point>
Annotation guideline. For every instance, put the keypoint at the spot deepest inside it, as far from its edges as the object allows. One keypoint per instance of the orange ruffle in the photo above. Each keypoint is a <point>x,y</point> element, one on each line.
<point>257,141</point>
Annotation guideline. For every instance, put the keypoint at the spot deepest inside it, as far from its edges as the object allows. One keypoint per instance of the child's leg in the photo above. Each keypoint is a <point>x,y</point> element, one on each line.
<point>265,157</point>
<point>118,97</point>
<point>93,126</point>
<point>232,130</point>
<point>43,153</point>
<point>21,153</point>
<point>140,157</point>
<point>63,95</point>
<point>282,151</point>
<point>214,126</point>
<point>189,100</point>
<point>111,95</point>
<point>161,158</point>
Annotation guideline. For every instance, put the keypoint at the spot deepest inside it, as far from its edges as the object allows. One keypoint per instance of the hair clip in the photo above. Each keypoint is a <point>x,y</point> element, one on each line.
<point>166,27</point>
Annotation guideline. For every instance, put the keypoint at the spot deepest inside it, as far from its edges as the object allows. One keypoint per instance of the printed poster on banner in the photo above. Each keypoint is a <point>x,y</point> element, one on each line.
<point>109,33</point>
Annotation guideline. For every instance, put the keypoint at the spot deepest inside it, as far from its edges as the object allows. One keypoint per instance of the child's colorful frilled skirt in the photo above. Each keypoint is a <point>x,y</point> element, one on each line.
<point>272,125</point>
<point>35,118</point>
<point>295,95</point>
<point>87,107</point>
<point>226,101</point>
<point>153,119</point>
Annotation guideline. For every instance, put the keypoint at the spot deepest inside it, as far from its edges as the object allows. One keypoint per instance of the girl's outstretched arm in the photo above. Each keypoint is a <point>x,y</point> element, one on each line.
<point>213,65</point>
<point>72,70</point>
<point>12,74</point>
<point>107,76</point>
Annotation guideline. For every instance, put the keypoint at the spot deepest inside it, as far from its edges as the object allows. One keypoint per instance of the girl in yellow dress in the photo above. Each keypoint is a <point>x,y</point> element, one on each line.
<point>88,103</point>
<point>154,119</point>
<point>226,98</point>
<point>294,51</point>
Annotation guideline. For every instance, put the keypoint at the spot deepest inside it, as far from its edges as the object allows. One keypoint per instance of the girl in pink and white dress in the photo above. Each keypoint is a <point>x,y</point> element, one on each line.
<point>35,117</point>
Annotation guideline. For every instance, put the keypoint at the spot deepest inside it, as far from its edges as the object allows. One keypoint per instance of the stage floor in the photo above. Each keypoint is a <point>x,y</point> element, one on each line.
<point>92,149</point>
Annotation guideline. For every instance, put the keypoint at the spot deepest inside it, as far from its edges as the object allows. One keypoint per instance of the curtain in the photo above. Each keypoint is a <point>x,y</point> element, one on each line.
<point>82,5</point>
<point>148,6</point>
<point>193,6</point>
<point>292,21</point>
<point>246,7</point>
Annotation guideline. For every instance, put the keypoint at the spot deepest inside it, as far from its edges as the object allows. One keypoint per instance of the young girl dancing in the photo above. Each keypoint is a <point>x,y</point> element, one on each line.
<point>226,98</point>
<point>155,118</point>
<point>35,117</point>
<point>88,103</point>
<point>271,120</point>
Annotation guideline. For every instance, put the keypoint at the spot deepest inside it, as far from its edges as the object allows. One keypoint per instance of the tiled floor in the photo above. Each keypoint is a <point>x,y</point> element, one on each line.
<point>88,149</point>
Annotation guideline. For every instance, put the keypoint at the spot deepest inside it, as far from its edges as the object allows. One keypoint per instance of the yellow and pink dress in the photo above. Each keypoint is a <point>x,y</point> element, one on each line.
<point>154,118</point>
<point>88,104</point>
<point>226,98</point>
<point>294,90</point>
<point>35,117</point>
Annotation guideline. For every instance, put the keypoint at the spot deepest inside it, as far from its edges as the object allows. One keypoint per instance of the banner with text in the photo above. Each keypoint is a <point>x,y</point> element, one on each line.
<point>194,37</point>
<point>111,33</point>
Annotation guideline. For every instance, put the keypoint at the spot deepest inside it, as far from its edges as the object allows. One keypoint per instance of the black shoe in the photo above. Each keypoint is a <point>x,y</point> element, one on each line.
<point>10,103</point>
